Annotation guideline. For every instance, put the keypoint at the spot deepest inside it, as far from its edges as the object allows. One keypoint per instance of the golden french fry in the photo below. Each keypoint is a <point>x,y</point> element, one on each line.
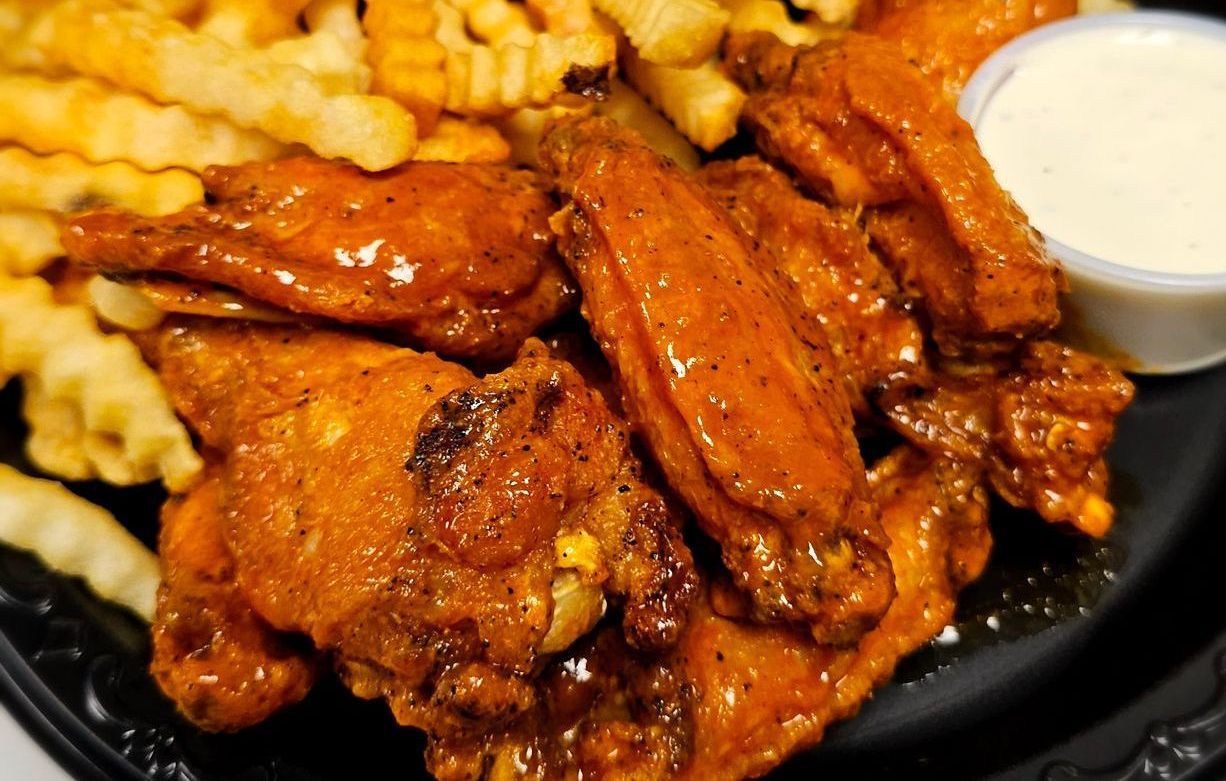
<point>489,81</point>
<point>562,17</point>
<point>339,17</point>
<point>771,16</point>
<point>462,141</point>
<point>123,306</point>
<point>337,68</point>
<point>78,538</point>
<point>1104,6</point>
<point>630,109</point>
<point>680,33</point>
<point>163,59</point>
<point>497,22</point>
<point>451,31</point>
<point>91,119</point>
<point>840,13</point>
<point>119,399</point>
<point>702,102</point>
<point>174,9</point>
<point>406,59</point>
<point>29,241</point>
<point>64,182</point>
<point>250,22</point>
<point>525,128</point>
<point>16,51</point>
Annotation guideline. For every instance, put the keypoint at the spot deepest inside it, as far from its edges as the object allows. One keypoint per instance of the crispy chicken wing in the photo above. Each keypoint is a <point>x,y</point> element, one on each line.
<point>750,425</point>
<point>833,274</point>
<point>458,257</point>
<point>438,534</point>
<point>734,698</point>
<point>948,39</point>
<point>213,655</point>
<point>1039,427</point>
<point>862,126</point>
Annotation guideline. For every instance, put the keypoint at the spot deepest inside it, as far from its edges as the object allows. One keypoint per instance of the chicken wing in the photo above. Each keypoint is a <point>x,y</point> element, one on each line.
<point>213,656</point>
<point>833,274</point>
<point>734,699</point>
<point>1040,428</point>
<point>438,534</point>
<point>862,126</point>
<point>948,39</point>
<point>458,257</point>
<point>750,426</point>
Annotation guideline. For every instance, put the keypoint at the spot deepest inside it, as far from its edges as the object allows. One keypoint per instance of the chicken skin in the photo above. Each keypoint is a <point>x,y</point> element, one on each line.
<point>457,257</point>
<point>831,274</point>
<point>861,126</point>
<point>948,39</point>
<point>1039,427</point>
<point>439,535</point>
<point>212,655</point>
<point>750,424</point>
<point>735,698</point>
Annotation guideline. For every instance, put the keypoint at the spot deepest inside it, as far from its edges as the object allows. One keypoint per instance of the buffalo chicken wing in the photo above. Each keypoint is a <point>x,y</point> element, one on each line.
<point>749,423</point>
<point>457,257</point>
<point>863,127</point>
<point>439,535</point>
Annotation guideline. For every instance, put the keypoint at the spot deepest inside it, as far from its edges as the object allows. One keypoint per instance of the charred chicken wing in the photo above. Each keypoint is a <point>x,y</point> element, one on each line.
<point>437,534</point>
<point>863,127</point>
<point>458,257</point>
<point>750,425</point>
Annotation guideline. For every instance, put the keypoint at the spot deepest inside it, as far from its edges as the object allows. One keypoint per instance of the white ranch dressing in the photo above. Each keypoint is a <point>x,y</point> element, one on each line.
<point>1112,141</point>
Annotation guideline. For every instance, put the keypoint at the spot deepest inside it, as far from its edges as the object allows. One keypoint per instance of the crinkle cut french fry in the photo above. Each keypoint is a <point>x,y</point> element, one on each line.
<point>497,22</point>
<point>840,13</point>
<point>562,17</point>
<point>450,30</point>
<point>406,59</point>
<point>524,129</point>
<point>91,119</point>
<point>119,399</point>
<point>461,141</point>
<point>680,33</point>
<point>489,81</point>
<point>771,16</point>
<point>629,109</point>
<point>16,51</point>
<point>250,22</point>
<point>337,67</point>
<point>29,241</point>
<point>339,17</point>
<point>1104,6</point>
<point>702,102</point>
<point>78,538</point>
<point>63,182</point>
<point>165,60</point>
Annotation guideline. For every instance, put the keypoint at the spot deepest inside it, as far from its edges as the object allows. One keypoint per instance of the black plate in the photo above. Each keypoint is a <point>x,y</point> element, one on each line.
<point>1073,659</point>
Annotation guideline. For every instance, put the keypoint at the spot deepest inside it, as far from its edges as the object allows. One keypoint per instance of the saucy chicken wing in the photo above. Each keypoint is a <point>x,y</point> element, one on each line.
<point>948,39</point>
<point>457,257</point>
<point>750,425</point>
<point>220,663</point>
<point>1040,428</point>
<point>734,699</point>
<point>834,276</point>
<point>437,534</point>
<point>863,127</point>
